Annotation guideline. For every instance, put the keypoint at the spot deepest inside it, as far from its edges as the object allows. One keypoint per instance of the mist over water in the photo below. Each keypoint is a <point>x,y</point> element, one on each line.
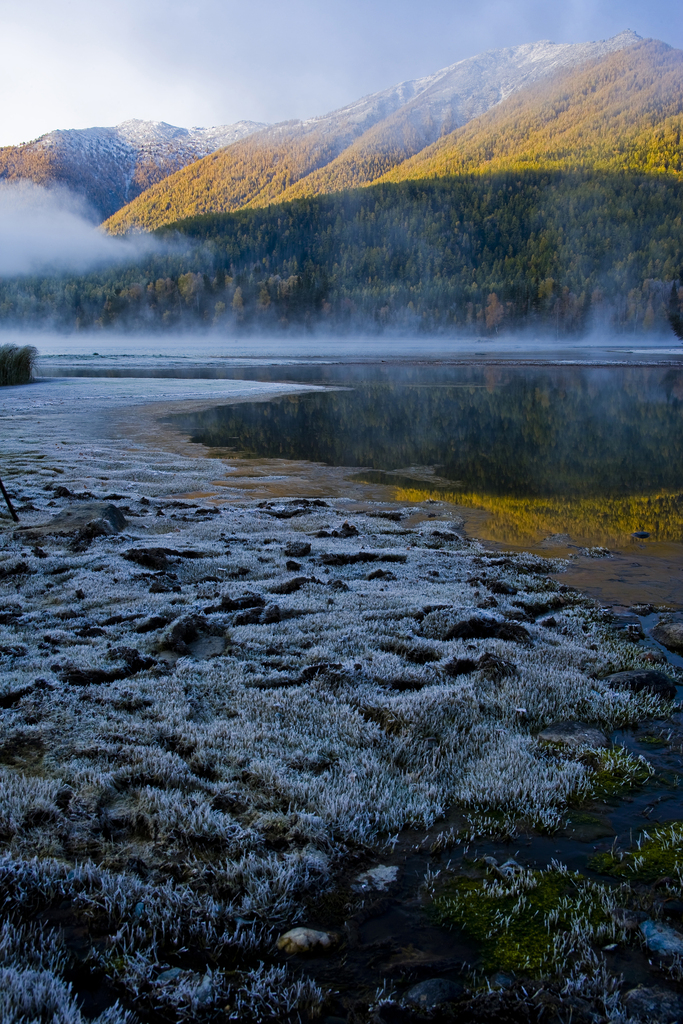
<point>584,441</point>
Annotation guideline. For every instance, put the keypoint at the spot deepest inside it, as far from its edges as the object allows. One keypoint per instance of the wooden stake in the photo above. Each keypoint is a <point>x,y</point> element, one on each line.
<point>5,495</point>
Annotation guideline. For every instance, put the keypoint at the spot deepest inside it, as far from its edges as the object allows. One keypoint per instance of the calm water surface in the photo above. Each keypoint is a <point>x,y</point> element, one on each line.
<point>557,458</point>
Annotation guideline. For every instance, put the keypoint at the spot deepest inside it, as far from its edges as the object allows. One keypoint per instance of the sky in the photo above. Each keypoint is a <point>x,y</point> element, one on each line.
<point>79,63</point>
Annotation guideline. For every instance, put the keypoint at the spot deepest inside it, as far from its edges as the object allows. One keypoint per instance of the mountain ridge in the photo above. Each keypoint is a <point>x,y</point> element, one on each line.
<point>111,166</point>
<point>623,112</point>
<point>272,164</point>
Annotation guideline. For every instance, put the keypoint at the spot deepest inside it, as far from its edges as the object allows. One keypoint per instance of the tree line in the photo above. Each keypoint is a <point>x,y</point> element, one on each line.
<point>564,252</point>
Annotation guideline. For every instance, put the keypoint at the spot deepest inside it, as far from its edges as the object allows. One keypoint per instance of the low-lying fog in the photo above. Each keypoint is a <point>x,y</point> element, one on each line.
<point>195,346</point>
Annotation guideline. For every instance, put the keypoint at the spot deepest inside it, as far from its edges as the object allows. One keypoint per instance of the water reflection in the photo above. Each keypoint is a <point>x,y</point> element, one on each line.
<point>596,453</point>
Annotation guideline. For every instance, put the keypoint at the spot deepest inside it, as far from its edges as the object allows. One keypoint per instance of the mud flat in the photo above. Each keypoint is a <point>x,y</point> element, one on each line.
<point>222,724</point>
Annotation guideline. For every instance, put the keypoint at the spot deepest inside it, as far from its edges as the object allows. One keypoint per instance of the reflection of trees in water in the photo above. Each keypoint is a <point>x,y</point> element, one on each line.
<point>589,520</point>
<point>495,430</point>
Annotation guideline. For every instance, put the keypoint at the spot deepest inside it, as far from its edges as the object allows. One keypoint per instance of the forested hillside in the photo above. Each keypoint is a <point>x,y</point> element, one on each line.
<point>482,254</point>
<point>357,144</point>
<point>623,112</point>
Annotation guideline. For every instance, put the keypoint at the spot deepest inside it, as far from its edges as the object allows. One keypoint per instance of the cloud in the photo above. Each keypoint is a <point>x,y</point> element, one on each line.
<point>199,62</point>
<point>50,230</point>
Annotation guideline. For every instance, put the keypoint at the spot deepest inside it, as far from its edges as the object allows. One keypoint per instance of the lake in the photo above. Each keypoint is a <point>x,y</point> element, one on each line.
<point>570,458</point>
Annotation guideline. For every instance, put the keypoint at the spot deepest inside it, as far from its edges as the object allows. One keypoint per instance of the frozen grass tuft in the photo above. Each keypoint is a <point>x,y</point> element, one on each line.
<point>17,363</point>
<point>192,747</point>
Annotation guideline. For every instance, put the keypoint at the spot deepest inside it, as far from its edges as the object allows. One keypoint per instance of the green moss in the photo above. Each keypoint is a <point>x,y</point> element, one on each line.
<point>517,920</point>
<point>658,853</point>
<point>614,771</point>
<point>653,741</point>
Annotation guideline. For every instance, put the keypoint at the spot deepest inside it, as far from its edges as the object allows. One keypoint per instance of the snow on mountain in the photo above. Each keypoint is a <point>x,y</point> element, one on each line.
<point>111,166</point>
<point>462,91</point>
<point>139,136</point>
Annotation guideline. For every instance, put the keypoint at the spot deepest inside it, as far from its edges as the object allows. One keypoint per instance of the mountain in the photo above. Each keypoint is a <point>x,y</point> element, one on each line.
<point>623,112</point>
<point>111,166</point>
<point>356,144</point>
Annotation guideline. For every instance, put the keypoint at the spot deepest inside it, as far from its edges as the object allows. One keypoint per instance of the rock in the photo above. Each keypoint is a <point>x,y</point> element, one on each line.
<point>510,869</point>
<point>297,549</point>
<point>485,629</point>
<point>654,1004</point>
<point>501,980</point>
<point>170,975</point>
<point>433,992</point>
<point>238,604</point>
<point>149,558</point>
<point>574,734</point>
<point>204,992</point>
<point>628,919</point>
<point>292,585</point>
<point>306,940</point>
<point>380,574</point>
<point>639,679</point>
<point>669,635</point>
<point>380,878</point>
<point>190,635</point>
<point>271,613</point>
<point>98,516</point>
<point>661,938</point>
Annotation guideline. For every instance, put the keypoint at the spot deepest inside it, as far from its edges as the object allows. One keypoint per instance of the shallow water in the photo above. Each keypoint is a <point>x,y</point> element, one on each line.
<point>563,458</point>
<point>558,459</point>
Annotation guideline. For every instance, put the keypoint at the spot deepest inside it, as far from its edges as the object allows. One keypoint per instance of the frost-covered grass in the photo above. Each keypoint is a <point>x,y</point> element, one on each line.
<point>17,363</point>
<point>657,854</point>
<point>194,736</point>
<point>529,922</point>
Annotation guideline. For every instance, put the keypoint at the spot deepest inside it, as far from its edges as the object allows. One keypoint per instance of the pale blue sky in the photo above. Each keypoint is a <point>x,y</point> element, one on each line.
<point>78,63</point>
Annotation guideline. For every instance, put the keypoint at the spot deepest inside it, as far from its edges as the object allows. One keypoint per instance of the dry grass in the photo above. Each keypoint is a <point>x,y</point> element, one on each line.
<point>17,363</point>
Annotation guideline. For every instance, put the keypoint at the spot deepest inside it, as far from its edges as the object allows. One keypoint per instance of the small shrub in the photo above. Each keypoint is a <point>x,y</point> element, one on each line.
<point>17,364</point>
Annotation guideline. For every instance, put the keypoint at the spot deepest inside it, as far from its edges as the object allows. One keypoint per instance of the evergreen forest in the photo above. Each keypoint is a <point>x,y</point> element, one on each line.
<point>565,252</point>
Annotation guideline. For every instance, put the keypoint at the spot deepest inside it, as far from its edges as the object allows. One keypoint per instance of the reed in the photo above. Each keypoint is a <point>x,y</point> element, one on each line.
<point>17,363</point>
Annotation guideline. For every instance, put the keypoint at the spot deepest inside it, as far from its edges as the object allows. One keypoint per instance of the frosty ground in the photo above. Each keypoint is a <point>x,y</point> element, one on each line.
<point>215,718</point>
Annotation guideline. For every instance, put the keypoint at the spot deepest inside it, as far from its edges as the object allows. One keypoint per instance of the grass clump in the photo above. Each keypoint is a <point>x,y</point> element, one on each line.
<point>526,923</point>
<point>17,363</point>
<point>657,854</point>
<point>614,771</point>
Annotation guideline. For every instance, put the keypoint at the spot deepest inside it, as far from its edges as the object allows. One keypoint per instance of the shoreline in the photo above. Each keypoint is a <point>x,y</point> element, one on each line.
<point>188,713</point>
<point>212,735</point>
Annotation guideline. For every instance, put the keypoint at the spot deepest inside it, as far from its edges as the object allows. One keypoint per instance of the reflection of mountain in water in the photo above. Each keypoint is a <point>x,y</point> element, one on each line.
<point>570,432</point>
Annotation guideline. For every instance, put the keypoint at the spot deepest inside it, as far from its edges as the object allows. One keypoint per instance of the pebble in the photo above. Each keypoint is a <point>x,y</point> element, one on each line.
<point>434,992</point>
<point>170,975</point>
<point>305,940</point>
<point>574,734</point>
<point>379,878</point>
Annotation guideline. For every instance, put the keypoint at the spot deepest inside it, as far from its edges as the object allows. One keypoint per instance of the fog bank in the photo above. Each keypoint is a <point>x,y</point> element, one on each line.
<point>51,230</point>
